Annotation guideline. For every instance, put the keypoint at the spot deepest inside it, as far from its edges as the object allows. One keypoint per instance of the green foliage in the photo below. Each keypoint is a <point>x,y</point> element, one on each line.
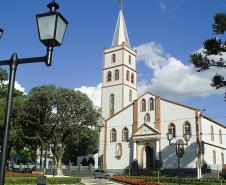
<point>33,180</point>
<point>219,25</point>
<point>59,115</point>
<point>213,50</point>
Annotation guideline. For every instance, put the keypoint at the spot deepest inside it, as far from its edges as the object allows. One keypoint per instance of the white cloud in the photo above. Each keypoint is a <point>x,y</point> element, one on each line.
<point>171,77</point>
<point>17,86</point>
<point>162,6</point>
<point>94,93</point>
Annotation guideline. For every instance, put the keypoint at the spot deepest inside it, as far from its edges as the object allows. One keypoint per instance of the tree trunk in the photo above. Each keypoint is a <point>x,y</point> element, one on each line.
<point>58,157</point>
<point>41,153</point>
<point>59,167</point>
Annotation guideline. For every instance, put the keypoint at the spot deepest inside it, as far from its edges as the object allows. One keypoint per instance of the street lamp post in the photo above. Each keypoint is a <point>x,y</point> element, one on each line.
<point>51,28</point>
<point>54,147</point>
<point>179,146</point>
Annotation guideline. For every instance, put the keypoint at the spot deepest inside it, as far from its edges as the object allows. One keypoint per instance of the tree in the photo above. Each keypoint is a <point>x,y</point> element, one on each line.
<point>214,49</point>
<point>19,98</point>
<point>58,115</point>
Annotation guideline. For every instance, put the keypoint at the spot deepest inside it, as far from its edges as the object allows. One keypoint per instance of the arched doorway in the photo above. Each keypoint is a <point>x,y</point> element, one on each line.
<point>148,157</point>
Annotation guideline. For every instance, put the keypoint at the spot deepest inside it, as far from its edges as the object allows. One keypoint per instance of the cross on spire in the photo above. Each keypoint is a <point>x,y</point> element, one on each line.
<point>120,1</point>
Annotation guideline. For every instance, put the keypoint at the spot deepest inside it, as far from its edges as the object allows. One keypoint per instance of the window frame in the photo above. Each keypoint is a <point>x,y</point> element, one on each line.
<point>143,105</point>
<point>174,129</point>
<point>116,72</point>
<point>109,76</point>
<point>125,129</point>
<point>112,139</point>
<point>130,95</point>
<point>127,75</point>
<point>113,58</point>
<point>212,133</point>
<point>151,104</point>
<point>111,104</point>
<point>132,78</point>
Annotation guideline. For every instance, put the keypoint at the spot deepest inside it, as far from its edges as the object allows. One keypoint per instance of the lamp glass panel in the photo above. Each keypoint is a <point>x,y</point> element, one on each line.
<point>1,32</point>
<point>46,26</point>
<point>61,28</point>
<point>187,137</point>
<point>170,136</point>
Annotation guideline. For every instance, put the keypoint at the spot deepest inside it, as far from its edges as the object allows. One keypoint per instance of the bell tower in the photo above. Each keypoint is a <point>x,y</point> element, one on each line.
<point>119,83</point>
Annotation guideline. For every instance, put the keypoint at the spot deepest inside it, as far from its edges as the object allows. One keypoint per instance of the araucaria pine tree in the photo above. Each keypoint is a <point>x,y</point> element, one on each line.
<point>212,56</point>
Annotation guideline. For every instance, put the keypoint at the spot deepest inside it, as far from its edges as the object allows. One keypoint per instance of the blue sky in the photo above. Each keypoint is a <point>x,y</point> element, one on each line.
<point>165,33</point>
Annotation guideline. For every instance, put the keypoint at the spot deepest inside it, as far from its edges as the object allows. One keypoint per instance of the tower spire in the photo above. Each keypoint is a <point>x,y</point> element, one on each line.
<point>121,34</point>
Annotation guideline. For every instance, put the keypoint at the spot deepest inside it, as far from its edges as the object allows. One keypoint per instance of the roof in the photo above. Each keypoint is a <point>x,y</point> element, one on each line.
<point>120,34</point>
<point>170,101</point>
<point>210,119</point>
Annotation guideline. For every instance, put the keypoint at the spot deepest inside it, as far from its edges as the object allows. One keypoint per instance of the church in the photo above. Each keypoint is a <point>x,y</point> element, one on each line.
<point>141,132</point>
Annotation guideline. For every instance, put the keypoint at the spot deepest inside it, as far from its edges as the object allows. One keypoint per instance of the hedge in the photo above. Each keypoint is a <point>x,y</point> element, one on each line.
<point>132,181</point>
<point>175,179</point>
<point>50,180</point>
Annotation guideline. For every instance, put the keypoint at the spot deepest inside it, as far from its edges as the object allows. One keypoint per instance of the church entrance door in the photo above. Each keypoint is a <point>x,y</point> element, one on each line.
<point>148,158</point>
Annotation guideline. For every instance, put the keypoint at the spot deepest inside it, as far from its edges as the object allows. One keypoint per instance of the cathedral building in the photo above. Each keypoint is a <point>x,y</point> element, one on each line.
<point>135,130</point>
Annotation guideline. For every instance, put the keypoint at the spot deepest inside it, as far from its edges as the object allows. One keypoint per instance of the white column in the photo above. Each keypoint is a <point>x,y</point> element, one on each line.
<point>134,150</point>
<point>157,150</point>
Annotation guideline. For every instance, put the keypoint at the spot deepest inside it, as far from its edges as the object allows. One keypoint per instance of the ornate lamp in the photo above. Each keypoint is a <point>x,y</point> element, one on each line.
<point>187,136</point>
<point>170,136</point>
<point>51,27</point>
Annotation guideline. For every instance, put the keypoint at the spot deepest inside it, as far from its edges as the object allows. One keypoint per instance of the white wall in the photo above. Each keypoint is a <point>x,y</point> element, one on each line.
<point>117,91</point>
<point>215,145</point>
<point>123,119</point>
<point>178,115</point>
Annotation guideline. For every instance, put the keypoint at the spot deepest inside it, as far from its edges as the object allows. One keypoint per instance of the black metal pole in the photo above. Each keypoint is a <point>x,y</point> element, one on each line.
<point>179,166</point>
<point>13,67</point>
<point>53,165</point>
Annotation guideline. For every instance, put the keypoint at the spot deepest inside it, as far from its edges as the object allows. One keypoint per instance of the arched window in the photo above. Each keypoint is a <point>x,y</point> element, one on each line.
<point>130,96</point>
<point>151,104</point>
<point>220,136</point>
<point>187,128</point>
<point>147,118</point>
<point>113,58</point>
<point>143,105</point>
<point>116,74</point>
<point>132,78</point>
<point>130,59</point>
<point>118,150</point>
<point>112,104</point>
<point>109,76</point>
<point>212,133</point>
<point>172,129</point>
<point>113,135</point>
<point>222,158</point>
<point>214,157</point>
<point>125,134</point>
<point>127,75</point>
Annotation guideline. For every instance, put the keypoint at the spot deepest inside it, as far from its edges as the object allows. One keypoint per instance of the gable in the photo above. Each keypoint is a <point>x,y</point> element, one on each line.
<point>145,130</point>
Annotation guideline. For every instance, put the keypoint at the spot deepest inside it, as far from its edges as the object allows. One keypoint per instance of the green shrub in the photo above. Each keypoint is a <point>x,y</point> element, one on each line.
<point>33,180</point>
<point>63,180</point>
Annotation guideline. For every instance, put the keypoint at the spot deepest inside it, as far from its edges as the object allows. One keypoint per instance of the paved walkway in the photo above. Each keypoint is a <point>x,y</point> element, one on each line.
<point>92,181</point>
